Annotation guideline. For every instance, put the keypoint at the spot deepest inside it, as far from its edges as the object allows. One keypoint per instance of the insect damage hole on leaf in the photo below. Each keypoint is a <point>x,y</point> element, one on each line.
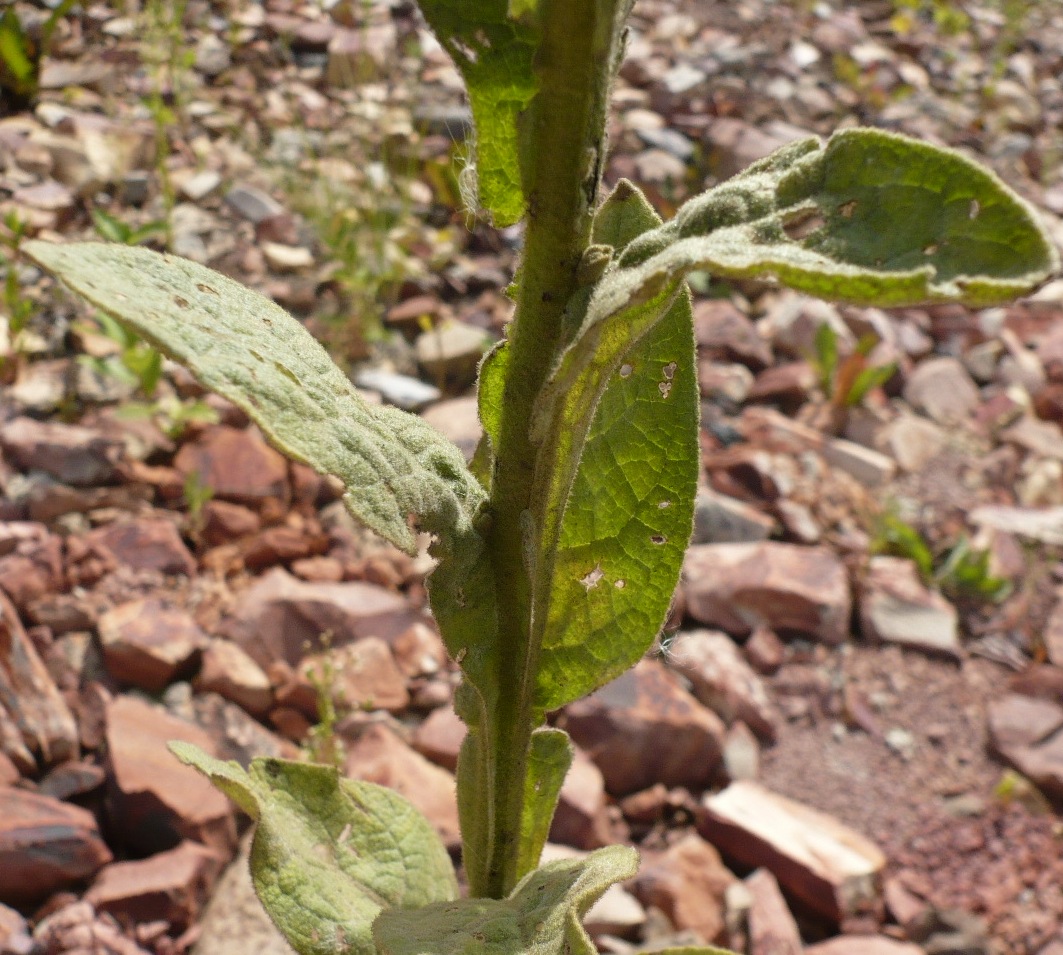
<point>591,580</point>
<point>625,371</point>
<point>847,209</point>
<point>803,224</point>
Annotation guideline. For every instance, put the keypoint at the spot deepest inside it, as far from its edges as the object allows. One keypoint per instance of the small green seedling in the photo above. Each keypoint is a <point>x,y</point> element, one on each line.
<point>559,548</point>
<point>847,381</point>
<point>114,229</point>
<point>16,308</point>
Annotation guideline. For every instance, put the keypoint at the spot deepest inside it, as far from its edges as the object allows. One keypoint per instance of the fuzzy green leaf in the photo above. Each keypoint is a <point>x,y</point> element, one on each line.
<point>492,43</point>
<point>548,761</point>
<point>871,218</point>
<point>541,916</point>
<point>625,488</point>
<point>248,349</point>
<point>330,854</point>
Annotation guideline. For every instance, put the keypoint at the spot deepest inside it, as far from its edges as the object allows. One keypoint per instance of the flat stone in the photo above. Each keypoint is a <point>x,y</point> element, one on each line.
<point>41,386</point>
<point>1042,438</point>
<point>738,587</point>
<point>71,454</point>
<point>32,568</point>
<point>287,258</point>
<point>1028,734</point>
<point>279,616</point>
<point>170,886</point>
<point>863,945</point>
<point>71,779</point>
<point>440,736</point>
<point>148,644</point>
<point>459,420</point>
<point>252,203</point>
<point>228,671</point>
<point>687,883</point>
<point>35,723</point>
<point>943,390</point>
<point>913,441</point>
<point>720,519</point>
<point>617,913</point>
<point>772,929</point>
<point>159,800</point>
<point>722,381</point>
<point>869,467</point>
<point>722,680</point>
<point>380,756</point>
<point>364,676</point>
<point>896,607</point>
<point>450,353</point>
<point>403,391</point>
<point>236,464</point>
<point>223,521</point>
<point>147,543</point>
<point>580,820</point>
<point>45,845</point>
<point>789,383</point>
<point>199,186</point>
<point>644,728</point>
<point>1043,524</point>
<point>723,331</point>
<point>828,866</point>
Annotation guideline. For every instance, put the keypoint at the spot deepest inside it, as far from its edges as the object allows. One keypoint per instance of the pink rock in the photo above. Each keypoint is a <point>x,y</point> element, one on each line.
<point>159,800</point>
<point>148,644</point>
<point>440,736</point>
<point>224,521</point>
<point>1028,733</point>
<point>687,882</point>
<point>380,756</point>
<point>815,858</point>
<point>943,390</point>
<point>863,945</point>
<point>230,672</point>
<point>170,886</point>
<point>279,616</point>
<point>145,543</point>
<point>35,722</point>
<point>45,845</point>
<point>722,680</point>
<point>581,820</point>
<point>738,587</point>
<point>722,330</point>
<point>69,453</point>
<point>644,728</point>
<point>772,929</point>
<point>896,607</point>
<point>32,562</point>
<point>362,675</point>
<point>236,464</point>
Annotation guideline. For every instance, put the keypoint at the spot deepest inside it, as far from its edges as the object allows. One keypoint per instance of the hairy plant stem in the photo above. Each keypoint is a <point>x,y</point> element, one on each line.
<point>563,142</point>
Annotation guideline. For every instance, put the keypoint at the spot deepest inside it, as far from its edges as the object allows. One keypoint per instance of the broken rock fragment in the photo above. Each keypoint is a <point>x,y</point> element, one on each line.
<point>170,886</point>
<point>236,464</point>
<point>45,845</point>
<point>896,607</point>
<point>70,453</point>
<point>159,800</point>
<point>772,929</point>
<point>688,883</point>
<point>722,680</point>
<point>644,728</point>
<point>147,644</point>
<point>828,866</point>
<point>738,587</point>
<point>1028,733</point>
<point>35,722</point>
<point>279,616</point>
<point>144,543</point>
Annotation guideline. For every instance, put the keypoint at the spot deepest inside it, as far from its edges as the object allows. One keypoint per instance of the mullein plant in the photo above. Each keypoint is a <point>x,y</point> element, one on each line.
<point>559,546</point>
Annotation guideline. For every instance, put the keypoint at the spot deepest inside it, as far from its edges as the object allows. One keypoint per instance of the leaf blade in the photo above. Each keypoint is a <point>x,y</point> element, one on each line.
<point>248,349</point>
<point>329,854</point>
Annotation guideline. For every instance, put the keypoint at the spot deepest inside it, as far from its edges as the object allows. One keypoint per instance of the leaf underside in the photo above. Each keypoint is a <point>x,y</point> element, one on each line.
<point>329,854</point>
<point>249,350</point>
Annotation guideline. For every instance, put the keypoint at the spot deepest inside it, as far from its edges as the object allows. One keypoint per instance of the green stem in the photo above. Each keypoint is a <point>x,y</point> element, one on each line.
<point>563,142</point>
